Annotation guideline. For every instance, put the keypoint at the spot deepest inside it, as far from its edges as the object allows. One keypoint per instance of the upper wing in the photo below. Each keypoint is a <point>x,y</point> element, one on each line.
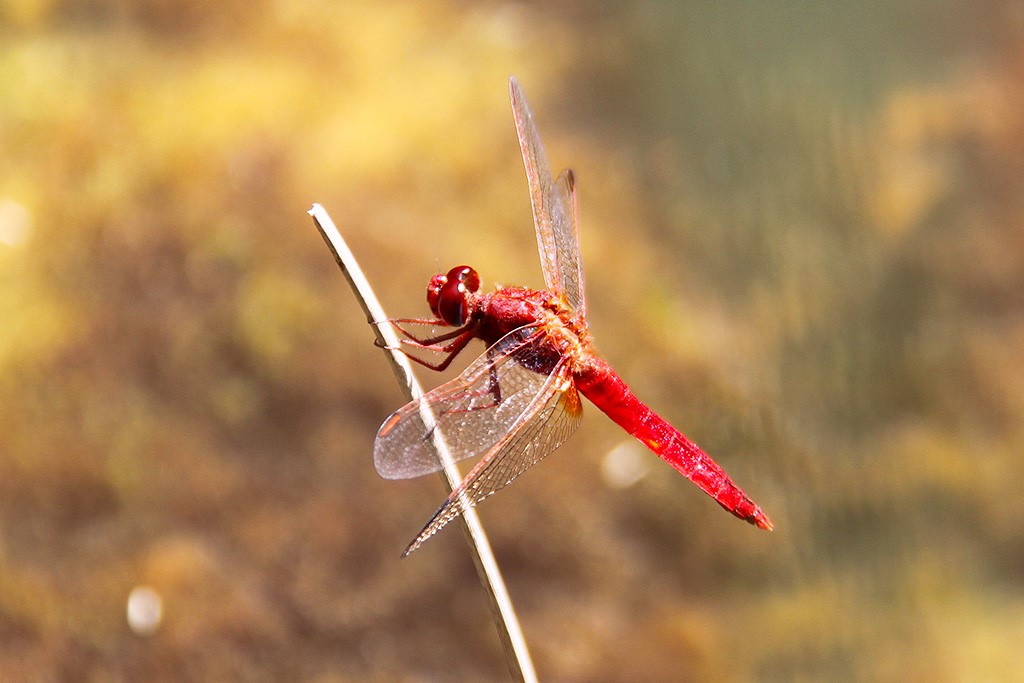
<point>470,413</point>
<point>550,418</point>
<point>554,209</point>
<point>567,239</point>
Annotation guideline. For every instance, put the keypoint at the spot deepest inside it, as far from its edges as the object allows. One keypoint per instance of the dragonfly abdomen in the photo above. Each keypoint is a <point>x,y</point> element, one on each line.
<point>605,389</point>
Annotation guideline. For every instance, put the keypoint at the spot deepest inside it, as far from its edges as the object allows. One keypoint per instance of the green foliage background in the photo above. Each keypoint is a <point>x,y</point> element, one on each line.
<point>802,228</point>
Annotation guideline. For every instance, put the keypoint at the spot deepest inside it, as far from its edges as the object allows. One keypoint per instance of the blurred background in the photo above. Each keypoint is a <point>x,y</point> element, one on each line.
<point>802,232</point>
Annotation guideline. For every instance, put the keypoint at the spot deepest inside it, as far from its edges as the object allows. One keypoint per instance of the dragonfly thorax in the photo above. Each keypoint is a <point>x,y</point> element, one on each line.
<point>449,294</point>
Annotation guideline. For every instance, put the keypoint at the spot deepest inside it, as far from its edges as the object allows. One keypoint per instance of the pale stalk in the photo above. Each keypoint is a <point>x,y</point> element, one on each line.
<point>516,652</point>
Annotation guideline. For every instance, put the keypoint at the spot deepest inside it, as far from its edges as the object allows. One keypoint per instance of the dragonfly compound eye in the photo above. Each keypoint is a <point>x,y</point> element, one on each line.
<point>466,275</point>
<point>434,291</point>
<point>452,303</point>
<point>448,295</point>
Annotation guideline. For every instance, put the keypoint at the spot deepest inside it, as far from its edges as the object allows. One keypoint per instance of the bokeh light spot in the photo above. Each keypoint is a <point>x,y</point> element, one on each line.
<point>145,610</point>
<point>15,223</point>
<point>624,465</point>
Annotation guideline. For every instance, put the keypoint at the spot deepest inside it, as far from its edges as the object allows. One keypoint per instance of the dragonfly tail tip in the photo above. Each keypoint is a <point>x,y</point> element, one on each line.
<point>761,521</point>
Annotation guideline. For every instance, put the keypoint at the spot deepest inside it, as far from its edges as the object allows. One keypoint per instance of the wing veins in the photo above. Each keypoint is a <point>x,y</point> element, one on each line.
<point>545,424</point>
<point>465,411</point>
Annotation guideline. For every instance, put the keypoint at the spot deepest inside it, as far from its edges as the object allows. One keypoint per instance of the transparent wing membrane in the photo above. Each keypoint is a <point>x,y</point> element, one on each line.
<point>547,422</point>
<point>472,412</point>
<point>554,208</point>
<point>567,244</point>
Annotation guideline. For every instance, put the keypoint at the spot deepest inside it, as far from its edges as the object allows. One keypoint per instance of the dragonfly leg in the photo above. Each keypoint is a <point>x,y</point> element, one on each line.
<point>492,388</point>
<point>423,341</point>
<point>438,346</point>
<point>414,321</point>
<point>495,387</point>
<point>451,351</point>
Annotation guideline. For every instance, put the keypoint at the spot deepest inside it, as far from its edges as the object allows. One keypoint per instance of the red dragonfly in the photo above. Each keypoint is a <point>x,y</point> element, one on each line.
<point>520,400</point>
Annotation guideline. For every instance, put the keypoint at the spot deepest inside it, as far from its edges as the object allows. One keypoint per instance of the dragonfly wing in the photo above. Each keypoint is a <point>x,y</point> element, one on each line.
<point>470,413</point>
<point>545,424</point>
<point>567,242</point>
<point>553,210</point>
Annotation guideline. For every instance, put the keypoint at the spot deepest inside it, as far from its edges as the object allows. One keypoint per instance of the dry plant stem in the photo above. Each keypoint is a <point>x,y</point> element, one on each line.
<point>516,652</point>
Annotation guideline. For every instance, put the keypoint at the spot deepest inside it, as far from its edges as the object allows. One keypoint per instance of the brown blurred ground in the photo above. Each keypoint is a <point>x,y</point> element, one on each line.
<point>802,228</point>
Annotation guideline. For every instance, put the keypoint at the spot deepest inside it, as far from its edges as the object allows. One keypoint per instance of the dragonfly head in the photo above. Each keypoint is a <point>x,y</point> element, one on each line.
<point>449,293</point>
